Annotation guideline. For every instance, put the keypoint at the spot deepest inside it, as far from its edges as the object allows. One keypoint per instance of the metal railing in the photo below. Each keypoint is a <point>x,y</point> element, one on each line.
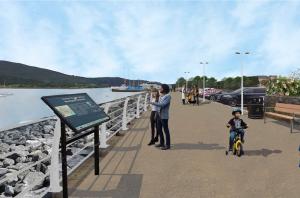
<point>41,170</point>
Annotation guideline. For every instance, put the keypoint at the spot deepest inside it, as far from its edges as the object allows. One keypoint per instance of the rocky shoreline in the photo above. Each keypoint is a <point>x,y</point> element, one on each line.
<point>25,155</point>
<point>21,148</point>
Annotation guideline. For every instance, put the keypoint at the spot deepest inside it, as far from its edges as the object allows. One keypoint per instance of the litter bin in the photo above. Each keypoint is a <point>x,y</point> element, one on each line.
<point>256,107</point>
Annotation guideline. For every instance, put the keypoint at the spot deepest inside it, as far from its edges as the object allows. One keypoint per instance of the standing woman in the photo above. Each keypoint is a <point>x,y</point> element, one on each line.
<point>153,116</point>
<point>183,95</point>
<point>163,117</point>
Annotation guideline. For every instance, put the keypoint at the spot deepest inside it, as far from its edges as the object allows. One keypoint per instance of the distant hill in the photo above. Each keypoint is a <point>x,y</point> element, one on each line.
<point>21,75</point>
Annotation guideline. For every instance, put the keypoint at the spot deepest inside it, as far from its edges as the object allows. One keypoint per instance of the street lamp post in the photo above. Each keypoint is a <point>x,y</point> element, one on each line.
<point>186,83</point>
<point>203,92</point>
<point>242,81</point>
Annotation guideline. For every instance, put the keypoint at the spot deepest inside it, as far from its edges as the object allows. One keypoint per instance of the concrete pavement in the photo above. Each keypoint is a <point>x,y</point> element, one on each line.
<point>196,166</point>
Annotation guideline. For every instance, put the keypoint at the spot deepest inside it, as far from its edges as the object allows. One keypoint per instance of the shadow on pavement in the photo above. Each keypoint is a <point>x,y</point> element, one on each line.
<point>128,148</point>
<point>261,152</point>
<point>199,146</point>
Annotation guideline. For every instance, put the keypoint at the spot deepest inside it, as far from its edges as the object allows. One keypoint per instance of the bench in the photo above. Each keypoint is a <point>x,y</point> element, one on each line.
<point>282,111</point>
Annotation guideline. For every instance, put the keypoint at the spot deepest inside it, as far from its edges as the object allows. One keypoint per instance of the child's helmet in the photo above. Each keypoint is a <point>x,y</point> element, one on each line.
<point>236,110</point>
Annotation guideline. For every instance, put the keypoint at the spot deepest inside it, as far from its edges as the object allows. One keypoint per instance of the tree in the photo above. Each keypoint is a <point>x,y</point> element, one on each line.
<point>211,82</point>
<point>180,82</point>
<point>197,81</point>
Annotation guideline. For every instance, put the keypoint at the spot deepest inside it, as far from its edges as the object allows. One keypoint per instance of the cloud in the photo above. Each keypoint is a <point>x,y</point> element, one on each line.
<point>87,44</point>
<point>281,47</point>
<point>152,40</point>
<point>25,41</point>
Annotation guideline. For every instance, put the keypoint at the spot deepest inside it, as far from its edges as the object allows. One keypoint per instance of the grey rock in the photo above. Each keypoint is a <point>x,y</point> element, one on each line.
<point>12,179</point>
<point>3,171</point>
<point>4,148</point>
<point>19,187</point>
<point>19,148</point>
<point>33,144</point>
<point>41,168</point>
<point>39,191</point>
<point>80,145</point>
<point>9,190</point>
<point>18,166</point>
<point>22,140</point>
<point>21,159</point>
<point>13,156</point>
<point>37,155</point>
<point>8,162</point>
<point>23,174</point>
<point>48,128</point>
<point>34,178</point>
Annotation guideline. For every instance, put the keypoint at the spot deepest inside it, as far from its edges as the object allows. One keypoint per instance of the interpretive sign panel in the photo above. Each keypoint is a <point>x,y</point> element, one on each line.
<point>78,111</point>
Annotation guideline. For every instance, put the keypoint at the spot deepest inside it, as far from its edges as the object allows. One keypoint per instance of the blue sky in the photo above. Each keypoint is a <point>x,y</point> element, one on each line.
<point>153,40</point>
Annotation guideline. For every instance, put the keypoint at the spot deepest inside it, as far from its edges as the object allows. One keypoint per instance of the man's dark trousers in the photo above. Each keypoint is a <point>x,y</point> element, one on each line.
<point>162,125</point>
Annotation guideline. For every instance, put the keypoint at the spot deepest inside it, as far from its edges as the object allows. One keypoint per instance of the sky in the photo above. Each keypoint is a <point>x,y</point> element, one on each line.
<point>153,40</point>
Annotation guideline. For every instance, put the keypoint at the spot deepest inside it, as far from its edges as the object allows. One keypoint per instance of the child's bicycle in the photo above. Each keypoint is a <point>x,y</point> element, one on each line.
<point>237,148</point>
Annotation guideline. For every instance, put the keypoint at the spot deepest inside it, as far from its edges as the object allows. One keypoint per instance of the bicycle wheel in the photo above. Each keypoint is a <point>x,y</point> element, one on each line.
<point>239,149</point>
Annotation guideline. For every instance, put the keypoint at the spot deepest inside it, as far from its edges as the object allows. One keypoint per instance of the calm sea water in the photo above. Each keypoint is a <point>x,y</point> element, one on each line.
<point>25,105</point>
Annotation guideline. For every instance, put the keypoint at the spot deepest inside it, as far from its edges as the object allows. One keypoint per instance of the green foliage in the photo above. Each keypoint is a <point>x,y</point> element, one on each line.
<point>180,82</point>
<point>226,83</point>
<point>283,86</point>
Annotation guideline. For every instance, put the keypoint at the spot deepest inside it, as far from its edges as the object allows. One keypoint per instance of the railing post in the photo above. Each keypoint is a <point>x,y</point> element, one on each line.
<point>103,141</point>
<point>124,117</point>
<point>138,107</point>
<point>55,167</point>
<point>145,103</point>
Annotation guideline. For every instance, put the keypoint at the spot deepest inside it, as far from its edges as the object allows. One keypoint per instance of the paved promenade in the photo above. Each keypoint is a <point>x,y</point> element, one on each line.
<point>196,166</point>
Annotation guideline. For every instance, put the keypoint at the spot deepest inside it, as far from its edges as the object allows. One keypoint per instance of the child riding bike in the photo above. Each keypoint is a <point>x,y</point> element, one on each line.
<point>237,126</point>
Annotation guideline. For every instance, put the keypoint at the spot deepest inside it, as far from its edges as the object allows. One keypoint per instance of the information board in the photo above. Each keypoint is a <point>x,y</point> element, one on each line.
<point>78,111</point>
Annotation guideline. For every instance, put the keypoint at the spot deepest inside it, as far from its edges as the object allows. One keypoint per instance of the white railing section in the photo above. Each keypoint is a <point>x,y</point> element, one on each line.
<point>121,111</point>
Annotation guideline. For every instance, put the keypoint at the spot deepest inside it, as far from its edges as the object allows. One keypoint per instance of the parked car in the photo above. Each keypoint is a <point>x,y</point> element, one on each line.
<point>217,96</point>
<point>234,98</point>
<point>208,92</point>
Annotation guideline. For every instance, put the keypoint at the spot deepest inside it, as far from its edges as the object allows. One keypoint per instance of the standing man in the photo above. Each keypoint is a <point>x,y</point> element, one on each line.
<point>183,95</point>
<point>163,117</point>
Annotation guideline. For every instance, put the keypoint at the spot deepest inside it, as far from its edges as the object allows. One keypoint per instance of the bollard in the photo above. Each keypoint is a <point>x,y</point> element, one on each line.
<point>138,107</point>
<point>124,118</point>
<point>103,140</point>
<point>145,103</point>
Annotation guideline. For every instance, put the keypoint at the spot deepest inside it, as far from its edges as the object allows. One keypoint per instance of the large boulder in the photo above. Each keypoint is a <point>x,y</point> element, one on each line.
<point>8,162</point>
<point>19,187</point>
<point>34,177</point>
<point>23,174</point>
<point>9,190</point>
<point>12,178</point>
